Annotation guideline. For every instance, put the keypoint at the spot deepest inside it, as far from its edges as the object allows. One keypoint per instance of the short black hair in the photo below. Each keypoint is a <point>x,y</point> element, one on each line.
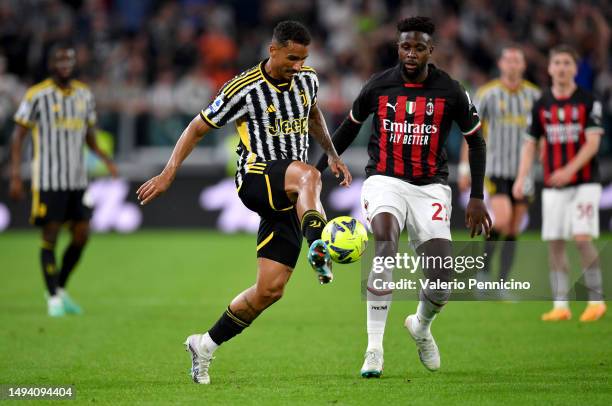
<point>63,44</point>
<point>420,24</point>
<point>564,49</point>
<point>286,31</point>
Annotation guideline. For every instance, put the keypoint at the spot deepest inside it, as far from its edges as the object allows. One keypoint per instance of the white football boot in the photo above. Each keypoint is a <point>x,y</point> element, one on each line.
<point>373,364</point>
<point>426,345</point>
<point>200,359</point>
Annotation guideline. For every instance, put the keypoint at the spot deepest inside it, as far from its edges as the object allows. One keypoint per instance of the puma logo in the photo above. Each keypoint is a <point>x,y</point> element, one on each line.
<point>315,223</point>
<point>393,106</point>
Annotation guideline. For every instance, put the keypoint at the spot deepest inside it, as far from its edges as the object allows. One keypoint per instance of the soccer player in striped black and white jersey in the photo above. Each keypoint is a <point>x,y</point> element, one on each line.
<point>274,107</point>
<point>504,105</point>
<point>60,114</point>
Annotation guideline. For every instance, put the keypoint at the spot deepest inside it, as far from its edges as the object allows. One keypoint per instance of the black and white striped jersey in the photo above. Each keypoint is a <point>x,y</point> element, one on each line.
<point>504,114</point>
<point>271,117</point>
<point>58,119</point>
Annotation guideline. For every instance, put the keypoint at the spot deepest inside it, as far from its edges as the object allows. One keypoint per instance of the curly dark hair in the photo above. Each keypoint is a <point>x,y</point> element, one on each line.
<point>420,24</point>
<point>286,31</point>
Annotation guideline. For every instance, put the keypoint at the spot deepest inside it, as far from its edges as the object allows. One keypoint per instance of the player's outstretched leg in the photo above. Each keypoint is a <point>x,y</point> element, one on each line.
<point>303,186</point>
<point>386,230</point>
<point>80,235</point>
<point>430,304</point>
<point>272,277</point>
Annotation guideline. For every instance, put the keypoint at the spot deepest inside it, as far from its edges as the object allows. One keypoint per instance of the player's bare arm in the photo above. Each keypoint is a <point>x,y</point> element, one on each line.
<point>318,129</point>
<point>562,176</point>
<point>90,138</point>
<point>157,185</point>
<point>16,184</point>
<point>528,152</point>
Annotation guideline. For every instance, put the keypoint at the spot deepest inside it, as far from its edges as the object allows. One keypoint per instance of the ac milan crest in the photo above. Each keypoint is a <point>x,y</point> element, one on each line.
<point>429,108</point>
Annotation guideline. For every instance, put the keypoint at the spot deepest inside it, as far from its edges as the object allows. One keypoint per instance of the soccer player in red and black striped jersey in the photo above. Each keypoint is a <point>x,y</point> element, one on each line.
<point>414,105</point>
<point>567,122</point>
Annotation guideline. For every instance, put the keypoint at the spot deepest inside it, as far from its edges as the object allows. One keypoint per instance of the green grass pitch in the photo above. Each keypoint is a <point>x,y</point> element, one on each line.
<point>144,293</point>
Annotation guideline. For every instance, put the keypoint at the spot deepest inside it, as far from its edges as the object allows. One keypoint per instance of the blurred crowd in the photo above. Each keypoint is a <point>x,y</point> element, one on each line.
<point>154,64</point>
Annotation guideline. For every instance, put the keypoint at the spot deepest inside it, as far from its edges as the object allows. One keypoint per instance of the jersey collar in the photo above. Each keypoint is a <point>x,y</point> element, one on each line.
<point>64,91</point>
<point>278,85</point>
<point>432,71</point>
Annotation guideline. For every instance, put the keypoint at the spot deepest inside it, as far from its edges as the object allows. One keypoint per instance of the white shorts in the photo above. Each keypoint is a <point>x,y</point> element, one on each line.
<point>570,211</point>
<point>424,210</point>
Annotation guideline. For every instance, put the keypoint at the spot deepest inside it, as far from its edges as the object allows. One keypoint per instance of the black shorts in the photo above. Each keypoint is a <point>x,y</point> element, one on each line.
<point>502,186</point>
<point>58,206</point>
<point>263,190</point>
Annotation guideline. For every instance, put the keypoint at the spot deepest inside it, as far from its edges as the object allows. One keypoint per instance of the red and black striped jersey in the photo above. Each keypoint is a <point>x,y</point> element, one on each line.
<point>411,123</point>
<point>563,123</point>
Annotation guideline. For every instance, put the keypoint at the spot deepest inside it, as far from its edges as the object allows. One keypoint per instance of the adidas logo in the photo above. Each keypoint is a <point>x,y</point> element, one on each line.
<point>271,108</point>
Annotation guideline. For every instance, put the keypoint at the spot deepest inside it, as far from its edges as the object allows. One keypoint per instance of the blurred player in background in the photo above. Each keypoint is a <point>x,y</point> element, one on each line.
<point>568,118</point>
<point>504,104</point>
<point>60,114</point>
<point>274,106</point>
<point>414,105</point>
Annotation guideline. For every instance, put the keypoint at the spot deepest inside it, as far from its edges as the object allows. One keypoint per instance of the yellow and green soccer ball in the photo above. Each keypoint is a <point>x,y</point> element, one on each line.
<point>346,239</point>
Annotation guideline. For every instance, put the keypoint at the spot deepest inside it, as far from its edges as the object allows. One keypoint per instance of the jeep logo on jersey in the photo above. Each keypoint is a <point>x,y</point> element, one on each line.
<point>410,107</point>
<point>286,127</point>
<point>429,109</point>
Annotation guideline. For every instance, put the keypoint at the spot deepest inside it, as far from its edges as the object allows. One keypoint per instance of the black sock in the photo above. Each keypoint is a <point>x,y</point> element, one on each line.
<point>490,249</point>
<point>312,225</point>
<point>507,256</point>
<point>71,257</point>
<point>47,261</point>
<point>228,326</point>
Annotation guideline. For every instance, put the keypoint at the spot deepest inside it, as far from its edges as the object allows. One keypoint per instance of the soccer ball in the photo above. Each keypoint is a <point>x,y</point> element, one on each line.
<point>346,239</point>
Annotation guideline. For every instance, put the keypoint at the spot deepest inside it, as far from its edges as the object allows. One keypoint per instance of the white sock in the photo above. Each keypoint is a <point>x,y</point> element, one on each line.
<point>378,305</point>
<point>426,313</point>
<point>377,311</point>
<point>561,304</point>
<point>207,343</point>
<point>54,300</point>
<point>559,284</point>
<point>60,292</point>
<point>592,280</point>
<point>596,302</point>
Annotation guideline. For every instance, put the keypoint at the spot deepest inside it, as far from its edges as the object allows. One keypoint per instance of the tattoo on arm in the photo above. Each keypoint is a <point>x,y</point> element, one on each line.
<point>318,129</point>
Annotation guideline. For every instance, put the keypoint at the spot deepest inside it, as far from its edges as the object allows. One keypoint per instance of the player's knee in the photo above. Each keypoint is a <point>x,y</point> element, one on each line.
<point>310,176</point>
<point>80,235</point>
<point>584,246</point>
<point>50,233</point>
<point>271,293</point>
<point>80,239</point>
